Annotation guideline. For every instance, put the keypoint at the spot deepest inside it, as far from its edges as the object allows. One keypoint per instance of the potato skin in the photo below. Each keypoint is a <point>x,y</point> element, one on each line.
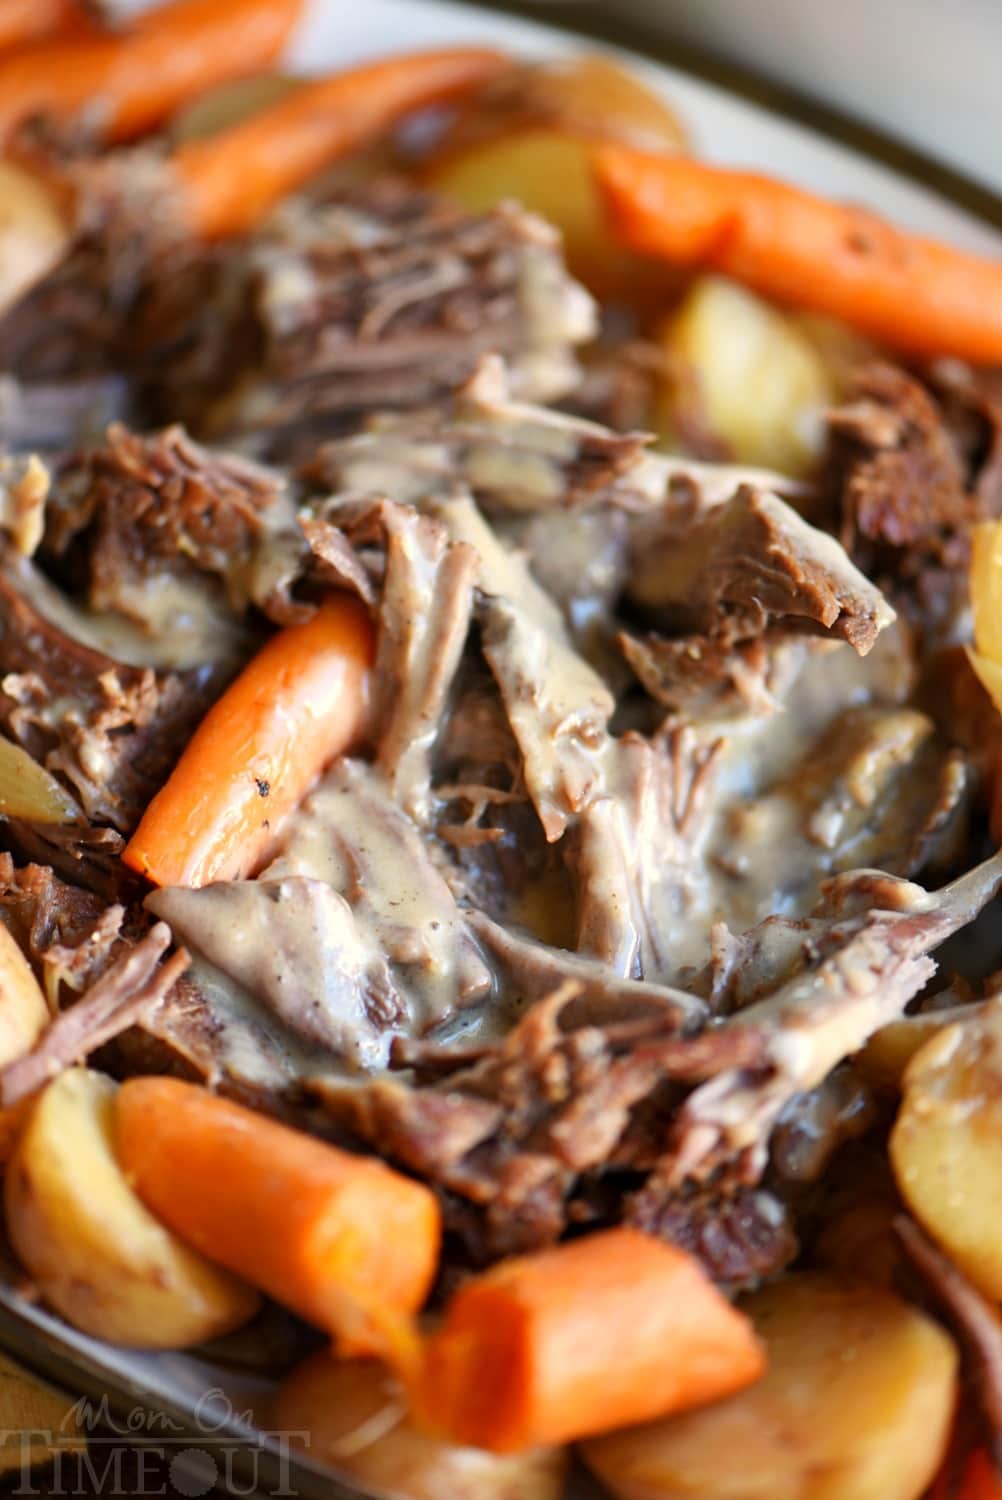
<point>856,1404</point>
<point>946,1145</point>
<point>354,1414</point>
<point>95,1252</point>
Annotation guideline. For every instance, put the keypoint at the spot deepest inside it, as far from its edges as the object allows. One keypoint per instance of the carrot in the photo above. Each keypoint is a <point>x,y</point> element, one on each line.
<point>343,1240</point>
<point>294,707</point>
<point>26,21</point>
<point>602,1332</point>
<point>914,293</point>
<point>230,181</point>
<point>133,79</point>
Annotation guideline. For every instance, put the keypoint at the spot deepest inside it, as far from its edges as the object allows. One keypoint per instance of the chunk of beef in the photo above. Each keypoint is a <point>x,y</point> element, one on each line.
<point>388,302</point>
<point>110,731</point>
<point>520,459</point>
<point>911,486</point>
<point>732,572</point>
<point>166,531</point>
<point>741,1238</point>
<point>868,964</point>
<point>134,985</point>
<point>69,933</point>
<point>513,1131</point>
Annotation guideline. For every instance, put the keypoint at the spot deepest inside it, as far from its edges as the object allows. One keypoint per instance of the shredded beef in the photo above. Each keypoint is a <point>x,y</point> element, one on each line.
<point>139,512</point>
<point>752,563</point>
<point>110,731</point>
<point>132,986</point>
<point>741,1238</point>
<point>871,958</point>
<point>911,481</point>
<point>69,933</point>
<point>372,305</point>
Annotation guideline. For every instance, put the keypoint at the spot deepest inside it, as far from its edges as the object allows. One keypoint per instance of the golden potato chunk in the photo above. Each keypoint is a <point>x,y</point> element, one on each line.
<point>23,1011</point>
<point>756,378</point>
<point>856,1404</point>
<point>96,1254</point>
<point>531,143</point>
<point>885,1058</point>
<point>946,1145</point>
<point>34,233</point>
<point>353,1415</point>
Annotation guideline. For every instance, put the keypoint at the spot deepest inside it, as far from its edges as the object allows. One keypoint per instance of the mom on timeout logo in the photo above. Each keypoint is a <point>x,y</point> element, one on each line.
<point>92,1450</point>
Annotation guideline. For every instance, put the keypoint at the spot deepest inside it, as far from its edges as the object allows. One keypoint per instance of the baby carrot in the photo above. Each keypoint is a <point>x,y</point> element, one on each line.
<point>132,80</point>
<point>605,1331</point>
<point>343,1240</point>
<point>229,181</point>
<point>911,292</point>
<point>25,21</point>
<point>294,707</point>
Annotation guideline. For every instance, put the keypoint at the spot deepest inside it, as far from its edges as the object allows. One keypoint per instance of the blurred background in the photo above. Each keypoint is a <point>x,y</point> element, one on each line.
<point>925,71</point>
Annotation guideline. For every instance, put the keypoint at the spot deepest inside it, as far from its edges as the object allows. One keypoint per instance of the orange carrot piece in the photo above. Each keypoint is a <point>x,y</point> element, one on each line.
<point>343,1240</point>
<point>897,287</point>
<point>26,21</point>
<point>294,707</point>
<point>134,79</point>
<point>603,1332</point>
<point>230,181</point>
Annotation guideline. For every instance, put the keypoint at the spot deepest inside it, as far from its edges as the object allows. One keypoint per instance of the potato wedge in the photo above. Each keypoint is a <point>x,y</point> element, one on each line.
<point>885,1058</point>
<point>352,1414</point>
<point>946,1145</point>
<point>761,384</point>
<point>34,231</point>
<point>97,1255</point>
<point>856,1404</point>
<point>24,1013</point>
<point>27,790</point>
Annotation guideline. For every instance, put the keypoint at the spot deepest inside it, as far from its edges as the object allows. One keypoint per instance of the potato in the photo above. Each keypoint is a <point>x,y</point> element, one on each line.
<point>97,1255</point>
<point>24,1013</point>
<point>946,1145</point>
<point>352,1414</point>
<point>885,1058</point>
<point>856,1404</point>
<point>760,383</point>
<point>34,232</point>
<point>532,145</point>
<point>547,170</point>
<point>27,790</point>
<point>986,589</point>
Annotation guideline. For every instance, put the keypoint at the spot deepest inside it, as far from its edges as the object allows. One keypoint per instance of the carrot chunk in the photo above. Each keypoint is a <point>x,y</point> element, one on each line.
<point>229,181</point>
<point>603,1332</point>
<point>911,292</point>
<point>294,707</point>
<point>26,21</point>
<point>133,79</point>
<point>343,1240</point>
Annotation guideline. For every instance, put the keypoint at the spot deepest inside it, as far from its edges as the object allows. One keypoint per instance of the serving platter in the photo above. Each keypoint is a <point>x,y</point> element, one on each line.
<point>199,1412</point>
